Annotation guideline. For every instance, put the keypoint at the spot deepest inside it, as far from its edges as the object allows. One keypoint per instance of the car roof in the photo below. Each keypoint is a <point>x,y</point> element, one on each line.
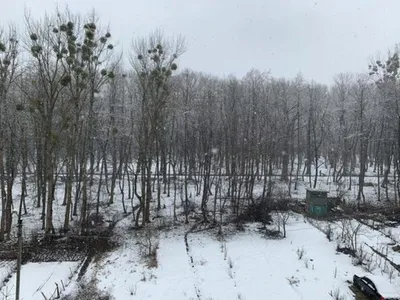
<point>385,288</point>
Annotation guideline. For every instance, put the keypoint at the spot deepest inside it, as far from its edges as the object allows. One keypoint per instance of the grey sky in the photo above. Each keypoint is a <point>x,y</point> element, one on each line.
<point>318,38</point>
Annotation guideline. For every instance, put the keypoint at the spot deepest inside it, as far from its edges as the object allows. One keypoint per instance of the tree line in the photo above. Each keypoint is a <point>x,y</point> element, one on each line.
<point>72,113</point>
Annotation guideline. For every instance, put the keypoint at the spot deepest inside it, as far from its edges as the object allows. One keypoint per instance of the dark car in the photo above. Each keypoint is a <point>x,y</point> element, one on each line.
<point>369,289</point>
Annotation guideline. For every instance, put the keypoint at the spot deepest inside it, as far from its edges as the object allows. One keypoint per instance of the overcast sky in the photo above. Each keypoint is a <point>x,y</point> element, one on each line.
<point>317,38</point>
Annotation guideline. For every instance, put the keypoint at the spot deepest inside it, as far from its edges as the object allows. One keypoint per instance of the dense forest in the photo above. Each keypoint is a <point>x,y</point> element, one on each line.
<point>75,110</point>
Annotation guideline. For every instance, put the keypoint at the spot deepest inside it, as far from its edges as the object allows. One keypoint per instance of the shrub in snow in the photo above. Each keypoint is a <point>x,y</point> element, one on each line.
<point>272,234</point>
<point>337,295</point>
<point>293,280</point>
<point>132,289</point>
<point>143,278</point>
<point>283,217</point>
<point>370,264</point>
<point>148,246</point>
<point>351,231</point>
<point>306,262</point>
<point>230,273</point>
<point>88,291</point>
<point>202,262</point>
<point>391,271</point>
<point>256,211</point>
<point>153,261</point>
<point>230,263</point>
<point>360,258</point>
<point>300,253</point>
<point>357,261</point>
<point>329,233</point>
<point>6,294</point>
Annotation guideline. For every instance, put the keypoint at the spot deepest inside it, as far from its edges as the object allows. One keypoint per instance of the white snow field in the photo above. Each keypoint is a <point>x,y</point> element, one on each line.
<point>236,265</point>
<point>243,265</point>
<point>38,279</point>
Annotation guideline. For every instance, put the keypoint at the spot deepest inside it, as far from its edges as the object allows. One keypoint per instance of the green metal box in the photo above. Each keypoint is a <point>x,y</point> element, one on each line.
<point>317,202</point>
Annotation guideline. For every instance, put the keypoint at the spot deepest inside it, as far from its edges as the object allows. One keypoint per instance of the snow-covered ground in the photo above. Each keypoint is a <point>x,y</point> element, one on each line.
<point>237,265</point>
<point>39,280</point>
<point>242,265</point>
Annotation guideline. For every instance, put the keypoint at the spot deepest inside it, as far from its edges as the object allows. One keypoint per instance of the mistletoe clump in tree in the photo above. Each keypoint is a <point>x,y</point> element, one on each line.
<point>83,61</point>
<point>68,61</point>
<point>154,62</point>
<point>8,160</point>
<point>386,75</point>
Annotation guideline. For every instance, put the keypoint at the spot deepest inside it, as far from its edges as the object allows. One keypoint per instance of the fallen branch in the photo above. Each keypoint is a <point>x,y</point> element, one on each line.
<point>394,265</point>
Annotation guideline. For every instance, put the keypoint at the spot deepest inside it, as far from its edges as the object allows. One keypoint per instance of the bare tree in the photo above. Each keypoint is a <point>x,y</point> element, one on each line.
<point>315,127</point>
<point>386,77</point>
<point>283,215</point>
<point>350,234</point>
<point>153,60</point>
<point>341,126</point>
<point>364,127</point>
<point>8,69</point>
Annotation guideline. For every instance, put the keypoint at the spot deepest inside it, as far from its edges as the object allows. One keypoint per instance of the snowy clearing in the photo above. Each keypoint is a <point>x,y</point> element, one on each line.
<point>243,265</point>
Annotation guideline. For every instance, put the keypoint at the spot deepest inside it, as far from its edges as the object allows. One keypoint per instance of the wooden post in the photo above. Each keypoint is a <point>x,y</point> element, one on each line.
<point>19,259</point>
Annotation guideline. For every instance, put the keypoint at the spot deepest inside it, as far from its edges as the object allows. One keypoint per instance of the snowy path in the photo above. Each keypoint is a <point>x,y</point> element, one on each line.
<point>191,261</point>
<point>38,278</point>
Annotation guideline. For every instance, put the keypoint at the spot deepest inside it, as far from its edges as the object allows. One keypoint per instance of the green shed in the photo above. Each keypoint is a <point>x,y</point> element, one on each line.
<point>316,202</point>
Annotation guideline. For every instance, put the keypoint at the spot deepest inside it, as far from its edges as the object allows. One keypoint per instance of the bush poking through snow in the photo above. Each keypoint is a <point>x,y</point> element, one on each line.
<point>351,230</point>
<point>148,247</point>
<point>329,233</point>
<point>283,215</point>
<point>360,258</point>
<point>345,250</point>
<point>293,280</point>
<point>337,295</point>
<point>390,234</point>
<point>133,289</point>
<point>88,292</point>
<point>391,273</point>
<point>202,262</point>
<point>7,294</point>
<point>306,262</point>
<point>300,253</point>
<point>272,234</point>
<point>143,278</point>
<point>258,211</point>
<point>153,261</point>
<point>370,264</point>
<point>230,263</point>
<point>230,273</point>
